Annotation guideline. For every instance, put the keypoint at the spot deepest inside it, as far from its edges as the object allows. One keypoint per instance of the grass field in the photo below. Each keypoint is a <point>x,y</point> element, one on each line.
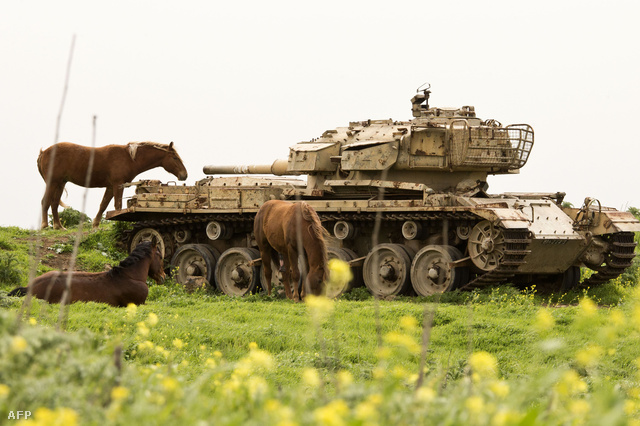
<point>496,356</point>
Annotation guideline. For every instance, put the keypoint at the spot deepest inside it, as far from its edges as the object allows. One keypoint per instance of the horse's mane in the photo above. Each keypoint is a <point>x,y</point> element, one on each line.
<point>317,230</point>
<point>133,147</point>
<point>142,250</point>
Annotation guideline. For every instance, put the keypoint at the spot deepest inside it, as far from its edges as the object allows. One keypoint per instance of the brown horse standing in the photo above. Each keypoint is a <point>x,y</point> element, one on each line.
<point>124,284</point>
<point>279,227</point>
<point>113,165</point>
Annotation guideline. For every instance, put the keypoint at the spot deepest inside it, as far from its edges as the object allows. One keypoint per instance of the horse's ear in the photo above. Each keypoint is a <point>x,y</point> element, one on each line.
<point>171,144</point>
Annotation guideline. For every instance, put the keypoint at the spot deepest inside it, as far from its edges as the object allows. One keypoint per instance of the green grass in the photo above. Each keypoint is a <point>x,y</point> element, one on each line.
<point>204,358</point>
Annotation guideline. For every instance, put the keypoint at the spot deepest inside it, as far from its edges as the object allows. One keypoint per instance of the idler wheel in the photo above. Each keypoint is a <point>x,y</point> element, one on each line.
<point>486,246</point>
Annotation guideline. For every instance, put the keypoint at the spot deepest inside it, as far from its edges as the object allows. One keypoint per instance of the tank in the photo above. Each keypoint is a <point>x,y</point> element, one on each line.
<point>406,204</point>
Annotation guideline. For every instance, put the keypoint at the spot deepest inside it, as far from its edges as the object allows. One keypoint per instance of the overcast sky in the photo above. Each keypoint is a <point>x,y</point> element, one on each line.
<point>238,82</point>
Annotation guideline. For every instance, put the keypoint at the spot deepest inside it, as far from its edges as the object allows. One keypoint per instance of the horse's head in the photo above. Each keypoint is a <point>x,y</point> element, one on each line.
<point>315,280</point>
<point>173,163</point>
<point>156,267</point>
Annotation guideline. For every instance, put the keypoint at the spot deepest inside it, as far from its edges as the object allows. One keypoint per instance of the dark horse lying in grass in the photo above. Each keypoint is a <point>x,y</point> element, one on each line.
<point>124,284</point>
<point>113,165</point>
<point>292,229</point>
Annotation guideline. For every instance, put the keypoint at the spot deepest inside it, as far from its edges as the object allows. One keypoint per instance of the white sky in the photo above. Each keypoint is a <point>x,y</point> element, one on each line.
<point>239,82</point>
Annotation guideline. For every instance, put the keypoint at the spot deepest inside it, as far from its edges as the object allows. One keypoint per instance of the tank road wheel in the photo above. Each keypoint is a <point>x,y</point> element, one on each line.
<point>431,270</point>
<point>147,234</point>
<point>235,275</point>
<point>196,264</point>
<point>338,289</point>
<point>386,270</point>
<point>486,246</point>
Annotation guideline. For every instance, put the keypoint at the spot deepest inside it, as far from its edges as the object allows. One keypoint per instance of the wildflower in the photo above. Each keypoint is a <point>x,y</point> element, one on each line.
<point>132,309</point>
<point>162,351</point>
<point>32,321</point>
<point>409,323</point>
<point>616,318</point>
<point>257,387</point>
<point>339,274</point>
<point>425,394</point>
<point>261,360</point>
<point>170,384</point>
<point>587,307</point>
<point>332,414</point>
<point>474,404</point>
<point>544,321</point>
<point>4,390</point>
<point>146,345</point>
<point>178,343</point>
<point>404,341</point>
<point>320,307</point>
<point>59,416</point>
<point>579,407</point>
<point>483,364</point>
<point>366,411</point>
<point>570,384</point>
<point>310,377</point>
<point>345,378</point>
<point>152,319</point>
<point>143,330</point>
<point>589,357</point>
<point>500,388</point>
<point>18,344</point>
<point>118,393</point>
<point>253,345</point>
<point>211,363</point>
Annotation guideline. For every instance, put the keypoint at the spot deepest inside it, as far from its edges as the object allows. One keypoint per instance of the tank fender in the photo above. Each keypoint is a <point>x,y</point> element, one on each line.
<point>508,218</point>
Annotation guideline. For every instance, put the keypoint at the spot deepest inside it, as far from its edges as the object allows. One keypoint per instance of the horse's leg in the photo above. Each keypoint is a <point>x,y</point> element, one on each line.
<point>286,277</point>
<point>117,196</point>
<point>56,194</point>
<point>295,274</point>
<point>46,202</point>
<point>265,253</point>
<point>108,194</point>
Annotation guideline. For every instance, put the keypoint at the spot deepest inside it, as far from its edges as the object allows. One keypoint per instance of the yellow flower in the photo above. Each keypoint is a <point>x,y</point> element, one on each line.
<point>587,307</point>
<point>425,394</point>
<point>484,364</point>
<point>18,344</point>
<point>579,407</point>
<point>366,411</point>
<point>500,388</point>
<point>404,341</point>
<point>474,404</point>
<point>4,390</point>
<point>143,330</point>
<point>616,318</point>
<point>320,307</point>
<point>170,384</point>
<point>589,357</point>
<point>152,319</point>
<point>570,384</point>
<point>345,378</point>
<point>146,345</point>
<point>253,345</point>
<point>544,320</point>
<point>132,309</point>
<point>61,416</point>
<point>32,321</point>
<point>257,386</point>
<point>339,274</point>
<point>310,377</point>
<point>332,414</point>
<point>409,323</point>
<point>178,343</point>
<point>118,393</point>
<point>211,363</point>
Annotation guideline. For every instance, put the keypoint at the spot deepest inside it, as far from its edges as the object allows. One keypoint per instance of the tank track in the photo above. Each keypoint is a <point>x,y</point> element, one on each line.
<point>619,258</point>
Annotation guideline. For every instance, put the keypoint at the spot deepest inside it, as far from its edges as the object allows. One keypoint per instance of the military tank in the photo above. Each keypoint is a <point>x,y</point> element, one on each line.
<point>406,204</point>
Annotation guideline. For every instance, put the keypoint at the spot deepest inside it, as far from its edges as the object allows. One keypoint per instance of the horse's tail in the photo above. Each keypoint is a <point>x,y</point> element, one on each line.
<point>39,162</point>
<point>18,292</point>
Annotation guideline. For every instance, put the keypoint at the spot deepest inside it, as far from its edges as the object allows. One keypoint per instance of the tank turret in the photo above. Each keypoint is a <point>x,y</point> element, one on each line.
<point>441,148</point>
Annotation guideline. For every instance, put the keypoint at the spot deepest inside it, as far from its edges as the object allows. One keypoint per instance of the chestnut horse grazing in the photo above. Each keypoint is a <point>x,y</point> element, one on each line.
<point>280,227</point>
<point>113,165</point>
<point>124,284</point>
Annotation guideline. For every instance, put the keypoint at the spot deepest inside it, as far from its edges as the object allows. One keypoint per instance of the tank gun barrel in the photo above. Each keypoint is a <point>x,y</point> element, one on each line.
<point>278,168</point>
